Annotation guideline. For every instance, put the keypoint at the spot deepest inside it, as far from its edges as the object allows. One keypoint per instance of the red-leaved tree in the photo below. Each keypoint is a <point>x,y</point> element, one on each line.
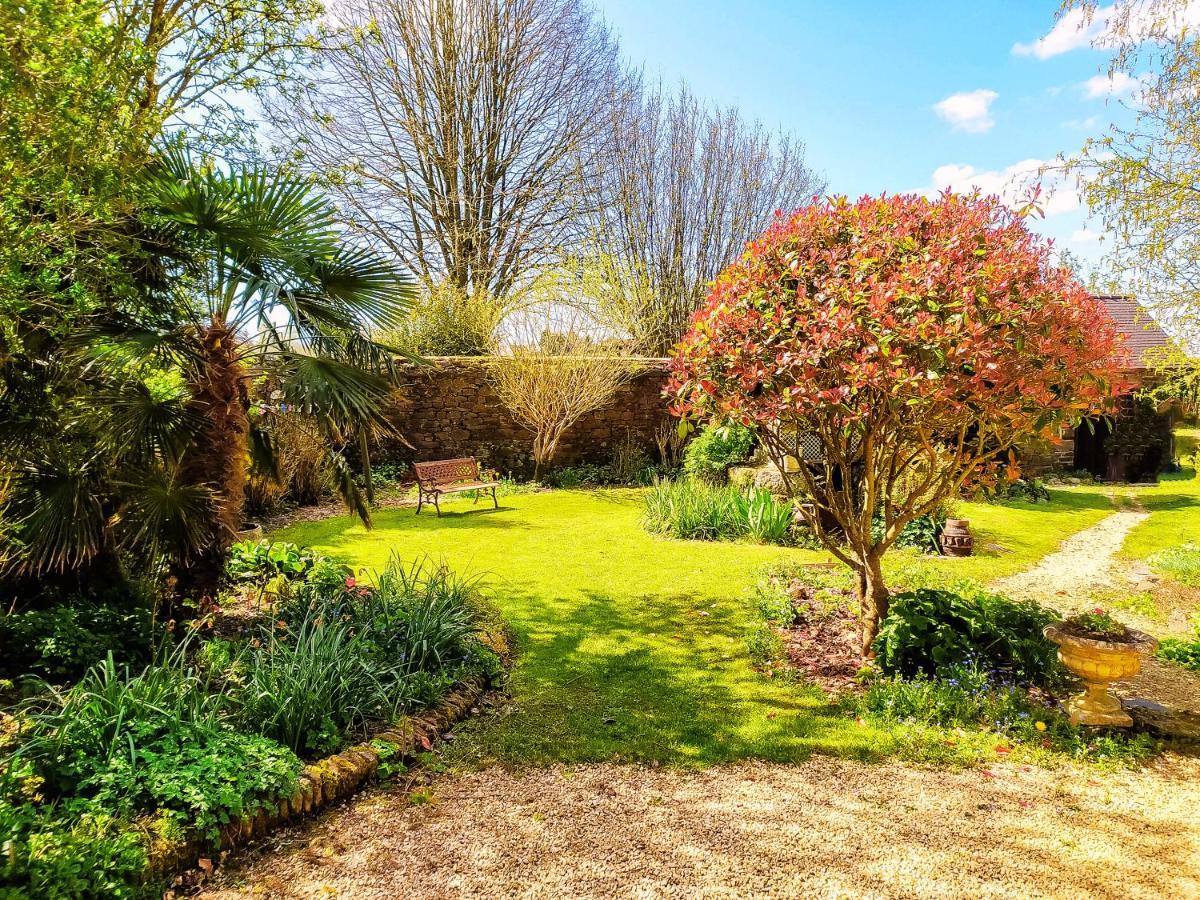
<point>908,344</point>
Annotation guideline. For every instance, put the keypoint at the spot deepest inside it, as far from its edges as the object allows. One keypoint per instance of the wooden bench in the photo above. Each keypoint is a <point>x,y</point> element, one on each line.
<point>450,476</point>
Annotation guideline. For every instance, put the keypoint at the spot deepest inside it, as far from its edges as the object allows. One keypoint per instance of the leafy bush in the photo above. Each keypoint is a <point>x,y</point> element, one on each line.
<point>695,510</point>
<point>258,562</point>
<point>928,631</point>
<point>74,850</point>
<point>206,777</point>
<point>1181,563</point>
<point>923,533</point>
<point>63,641</point>
<point>447,321</point>
<point>153,742</point>
<point>965,697</point>
<point>597,475</point>
<point>1031,490</point>
<point>715,449</point>
<point>110,711</point>
<point>1182,651</point>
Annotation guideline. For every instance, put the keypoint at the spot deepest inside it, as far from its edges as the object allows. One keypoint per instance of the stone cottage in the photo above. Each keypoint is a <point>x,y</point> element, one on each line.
<point>1135,444</point>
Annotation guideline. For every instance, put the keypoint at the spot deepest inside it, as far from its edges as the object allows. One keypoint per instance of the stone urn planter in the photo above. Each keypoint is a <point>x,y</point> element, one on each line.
<point>956,538</point>
<point>1099,662</point>
<point>250,532</point>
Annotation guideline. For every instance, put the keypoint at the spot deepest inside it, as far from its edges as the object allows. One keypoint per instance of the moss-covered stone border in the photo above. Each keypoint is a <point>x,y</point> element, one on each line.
<point>328,780</point>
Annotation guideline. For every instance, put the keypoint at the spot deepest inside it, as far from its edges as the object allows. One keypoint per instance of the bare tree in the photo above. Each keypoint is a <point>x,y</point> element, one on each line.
<point>456,132</point>
<point>559,362</point>
<point>684,188</point>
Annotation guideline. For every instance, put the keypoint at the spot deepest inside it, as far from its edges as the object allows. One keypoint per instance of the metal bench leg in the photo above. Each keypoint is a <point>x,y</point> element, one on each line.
<point>437,505</point>
<point>420,500</point>
<point>495,502</point>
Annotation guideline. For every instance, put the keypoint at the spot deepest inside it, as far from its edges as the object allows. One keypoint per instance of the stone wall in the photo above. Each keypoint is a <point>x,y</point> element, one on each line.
<point>448,408</point>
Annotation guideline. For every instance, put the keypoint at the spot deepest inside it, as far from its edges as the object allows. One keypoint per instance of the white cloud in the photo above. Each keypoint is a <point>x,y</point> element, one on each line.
<point>1116,85</point>
<point>1082,124</point>
<point>1075,30</point>
<point>968,111</point>
<point>1012,184</point>
<point>1085,235</point>
<point>1070,32</point>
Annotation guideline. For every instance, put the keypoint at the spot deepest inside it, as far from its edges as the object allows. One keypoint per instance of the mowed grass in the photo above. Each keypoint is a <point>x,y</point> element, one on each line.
<point>1012,536</point>
<point>632,646</point>
<point>1174,505</point>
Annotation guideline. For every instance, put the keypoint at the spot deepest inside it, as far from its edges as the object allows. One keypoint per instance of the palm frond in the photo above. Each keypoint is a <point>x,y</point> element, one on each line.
<point>324,387</point>
<point>57,505</point>
<point>143,426</point>
<point>164,516</point>
<point>347,488</point>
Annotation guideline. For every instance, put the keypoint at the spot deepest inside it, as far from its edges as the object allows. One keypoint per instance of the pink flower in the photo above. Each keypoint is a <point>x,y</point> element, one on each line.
<point>350,582</point>
<point>1098,611</point>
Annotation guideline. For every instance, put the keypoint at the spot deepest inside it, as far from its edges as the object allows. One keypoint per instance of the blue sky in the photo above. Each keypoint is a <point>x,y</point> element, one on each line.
<point>860,82</point>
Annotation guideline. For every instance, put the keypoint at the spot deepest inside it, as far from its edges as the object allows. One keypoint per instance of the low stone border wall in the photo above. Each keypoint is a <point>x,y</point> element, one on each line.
<point>331,779</point>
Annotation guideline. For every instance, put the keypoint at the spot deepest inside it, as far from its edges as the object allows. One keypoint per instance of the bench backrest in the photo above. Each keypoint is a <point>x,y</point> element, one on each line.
<point>447,471</point>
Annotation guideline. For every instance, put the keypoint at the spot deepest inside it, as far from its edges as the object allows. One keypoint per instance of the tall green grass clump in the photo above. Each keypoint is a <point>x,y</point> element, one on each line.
<point>340,655</point>
<point>695,510</point>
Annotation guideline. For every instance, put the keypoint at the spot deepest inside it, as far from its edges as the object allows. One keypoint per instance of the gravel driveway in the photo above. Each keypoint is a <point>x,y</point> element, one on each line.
<point>826,828</point>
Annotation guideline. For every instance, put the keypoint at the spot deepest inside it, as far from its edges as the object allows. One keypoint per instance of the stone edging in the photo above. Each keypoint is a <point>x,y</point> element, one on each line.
<point>330,779</point>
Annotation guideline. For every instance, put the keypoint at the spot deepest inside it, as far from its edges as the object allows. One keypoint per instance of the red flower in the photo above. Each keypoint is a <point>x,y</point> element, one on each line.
<point>350,582</point>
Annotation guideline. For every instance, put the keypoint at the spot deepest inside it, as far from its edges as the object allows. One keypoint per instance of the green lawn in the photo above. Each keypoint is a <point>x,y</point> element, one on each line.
<point>633,646</point>
<point>1174,505</point>
<point>1010,537</point>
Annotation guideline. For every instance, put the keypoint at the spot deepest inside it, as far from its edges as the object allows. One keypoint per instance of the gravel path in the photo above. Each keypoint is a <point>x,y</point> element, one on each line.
<point>1084,562</point>
<point>1087,561</point>
<point>826,828</point>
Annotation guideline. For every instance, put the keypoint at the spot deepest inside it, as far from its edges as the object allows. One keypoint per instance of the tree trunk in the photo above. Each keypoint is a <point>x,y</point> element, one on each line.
<point>218,457</point>
<point>872,599</point>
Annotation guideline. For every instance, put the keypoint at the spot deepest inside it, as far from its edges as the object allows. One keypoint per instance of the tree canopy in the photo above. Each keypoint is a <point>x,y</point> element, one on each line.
<point>909,343</point>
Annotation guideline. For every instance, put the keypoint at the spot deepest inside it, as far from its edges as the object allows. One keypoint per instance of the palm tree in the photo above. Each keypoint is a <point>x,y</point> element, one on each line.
<point>247,279</point>
<point>270,289</point>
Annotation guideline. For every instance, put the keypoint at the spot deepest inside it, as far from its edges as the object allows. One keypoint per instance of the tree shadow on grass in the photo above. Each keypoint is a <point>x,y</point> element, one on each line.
<point>658,678</point>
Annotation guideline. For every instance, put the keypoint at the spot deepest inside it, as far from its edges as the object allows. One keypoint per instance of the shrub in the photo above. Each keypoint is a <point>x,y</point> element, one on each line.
<point>1182,651</point>
<point>111,711</point>
<point>153,742</point>
<point>447,321</point>
<point>695,510</point>
<point>929,631</point>
<point>1031,490</point>
<point>923,533</point>
<point>1181,563</point>
<point>965,697</point>
<point>63,641</point>
<point>76,850</point>
<point>715,449</point>
<point>205,777</point>
<point>258,562</point>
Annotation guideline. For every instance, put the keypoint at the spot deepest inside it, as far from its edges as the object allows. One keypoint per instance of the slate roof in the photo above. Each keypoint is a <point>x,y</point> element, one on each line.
<point>1141,332</point>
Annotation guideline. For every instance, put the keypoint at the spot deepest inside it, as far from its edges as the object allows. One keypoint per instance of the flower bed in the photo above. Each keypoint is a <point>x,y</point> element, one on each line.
<point>107,784</point>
